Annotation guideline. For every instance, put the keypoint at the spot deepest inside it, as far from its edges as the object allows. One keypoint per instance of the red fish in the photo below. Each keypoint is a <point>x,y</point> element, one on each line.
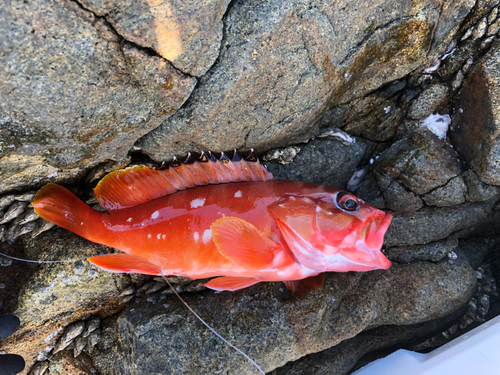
<point>223,219</point>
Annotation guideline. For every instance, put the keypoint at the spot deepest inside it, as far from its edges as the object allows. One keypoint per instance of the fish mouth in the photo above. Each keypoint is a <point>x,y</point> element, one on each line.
<point>375,238</point>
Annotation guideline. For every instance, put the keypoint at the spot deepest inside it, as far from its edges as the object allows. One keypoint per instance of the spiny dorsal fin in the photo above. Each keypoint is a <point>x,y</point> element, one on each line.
<point>135,185</point>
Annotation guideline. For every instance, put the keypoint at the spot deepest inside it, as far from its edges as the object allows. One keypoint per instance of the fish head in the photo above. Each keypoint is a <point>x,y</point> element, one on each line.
<point>333,231</point>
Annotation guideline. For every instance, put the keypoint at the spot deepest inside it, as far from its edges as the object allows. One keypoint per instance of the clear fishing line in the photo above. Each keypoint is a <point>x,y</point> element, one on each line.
<point>171,287</point>
<point>211,329</point>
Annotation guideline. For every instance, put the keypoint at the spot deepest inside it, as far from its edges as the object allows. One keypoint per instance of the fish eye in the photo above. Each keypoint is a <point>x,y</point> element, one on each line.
<point>346,201</point>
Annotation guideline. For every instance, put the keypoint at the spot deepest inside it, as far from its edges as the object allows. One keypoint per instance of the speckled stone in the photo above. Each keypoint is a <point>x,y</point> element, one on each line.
<point>323,161</point>
<point>434,251</point>
<point>476,127</point>
<point>70,98</point>
<point>451,194</point>
<point>420,161</point>
<point>429,101</point>
<point>400,199</point>
<point>283,65</point>
<point>273,330</point>
<point>186,33</point>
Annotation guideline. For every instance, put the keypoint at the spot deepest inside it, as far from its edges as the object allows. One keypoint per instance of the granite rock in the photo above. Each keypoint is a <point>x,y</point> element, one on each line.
<point>188,34</point>
<point>451,194</point>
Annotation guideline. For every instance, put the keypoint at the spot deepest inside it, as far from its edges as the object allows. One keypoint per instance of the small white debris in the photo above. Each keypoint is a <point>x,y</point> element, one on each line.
<point>282,155</point>
<point>341,135</point>
<point>207,236</point>
<point>155,214</point>
<point>198,202</point>
<point>438,124</point>
<point>452,255</point>
<point>238,194</point>
<point>129,219</point>
<point>387,109</point>
<point>372,160</point>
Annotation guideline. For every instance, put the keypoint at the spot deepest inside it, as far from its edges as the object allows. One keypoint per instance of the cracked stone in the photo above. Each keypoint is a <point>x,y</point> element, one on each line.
<point>398,198</point>
<point>69,96</point>
<point>421,162</point>
<point>451,194</point>
<point>186,33</point>
<point>478,191</point>
<point>434,251</point>
<point>283,66</point>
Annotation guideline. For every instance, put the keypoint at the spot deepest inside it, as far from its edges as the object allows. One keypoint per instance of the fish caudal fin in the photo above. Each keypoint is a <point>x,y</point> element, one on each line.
<point>231,283</point>
<point>124,263</point>
<point>58,205</point>
<point>302,288</point>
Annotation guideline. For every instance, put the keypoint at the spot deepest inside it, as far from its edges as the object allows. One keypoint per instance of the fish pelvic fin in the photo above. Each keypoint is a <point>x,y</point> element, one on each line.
<point>231,283</point>
<point>242,243</point>
<point>58,205</point>
<point>135,185</point>
<point>302,288</point>
<point>124,263</point>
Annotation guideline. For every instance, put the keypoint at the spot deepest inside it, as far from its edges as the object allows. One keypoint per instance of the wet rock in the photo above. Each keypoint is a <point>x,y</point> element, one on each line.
<point>421,162</point>
<point>433,252</point>
<point>477,121</point>
<point>477,190</point>
<point>433,224</point>
<point>283,65</point>
<point>60,293</point>
<point>400,199</point>
<point>65,363</point>
<point>451,194</point>
<point>288,329</point>
<point>431,100</point>
<point>188,34</point>
<point>323,161</point>
<point>370,193</point>
<point>69,96</point>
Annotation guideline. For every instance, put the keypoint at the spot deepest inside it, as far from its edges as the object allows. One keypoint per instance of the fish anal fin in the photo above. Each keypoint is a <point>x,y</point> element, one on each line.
<point>231,283</point>
<point>135,185</point>
<point>124,263</point>
<point>242,243</point>
<point>302,288</point>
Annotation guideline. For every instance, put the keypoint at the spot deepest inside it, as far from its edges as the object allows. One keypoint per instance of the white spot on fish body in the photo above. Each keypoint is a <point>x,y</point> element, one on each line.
<point>155,214</point>
<point>238,194</point>
<point>149,235</point>
<point>207,236</point>
<point>196,237</point>
<point>129,219</point>
<point>81,223</point>
<point>198,202</point>
<point>158,236</point>
<point>164,236</point>
<point>318,208</point>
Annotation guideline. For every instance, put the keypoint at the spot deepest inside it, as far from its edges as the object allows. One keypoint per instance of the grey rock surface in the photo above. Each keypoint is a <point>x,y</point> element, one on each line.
<point>69,96</point>
<point>188,34</point>
<point>420,161</point>
<point>284,64</point>
<point>433,251</point>
<point>287,329</point>
<point>429,101</point>
<point>451,194</point>
<point>477,124</point>
<point>323,161</point>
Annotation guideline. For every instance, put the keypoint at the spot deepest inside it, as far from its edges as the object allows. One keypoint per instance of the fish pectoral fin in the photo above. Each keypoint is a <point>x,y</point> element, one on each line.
<point>231,283</point>
<point>302,288</point>
<point>124,263</point>
<point>242,243</point>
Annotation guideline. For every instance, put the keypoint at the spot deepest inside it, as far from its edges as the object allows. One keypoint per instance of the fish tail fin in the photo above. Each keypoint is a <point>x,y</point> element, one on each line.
<point>58,205</point>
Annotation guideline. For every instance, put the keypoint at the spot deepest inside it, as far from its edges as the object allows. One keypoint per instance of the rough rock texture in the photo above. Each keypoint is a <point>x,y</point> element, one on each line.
<point>291,328</point>
<point>188,34</point>
<point>323,161</point>
<point>60,293</point>
<point>420,161</point>
<point>73,95</point>
<point>284,63</point>
<point>476,131</point>
<point>85,83</point>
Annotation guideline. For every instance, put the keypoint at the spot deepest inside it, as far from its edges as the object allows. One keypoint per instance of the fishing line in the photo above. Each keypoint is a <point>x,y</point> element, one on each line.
<point>211,329</point>
<point>171,287</point>
<point>42,261</point>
